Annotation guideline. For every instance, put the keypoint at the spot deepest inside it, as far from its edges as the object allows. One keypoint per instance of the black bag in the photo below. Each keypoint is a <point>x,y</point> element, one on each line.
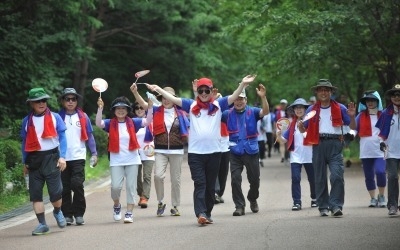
<point>34,161</point>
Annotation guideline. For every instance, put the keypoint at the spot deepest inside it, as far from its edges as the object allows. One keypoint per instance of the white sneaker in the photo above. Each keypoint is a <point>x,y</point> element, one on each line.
<point>128,218</point>
<point>117,213</point>
<point>381,201</point>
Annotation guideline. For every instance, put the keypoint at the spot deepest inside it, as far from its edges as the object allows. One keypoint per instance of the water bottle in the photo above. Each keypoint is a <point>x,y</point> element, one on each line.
<point>27,181</point>
<point>92,162</point>
<point>153,99</point>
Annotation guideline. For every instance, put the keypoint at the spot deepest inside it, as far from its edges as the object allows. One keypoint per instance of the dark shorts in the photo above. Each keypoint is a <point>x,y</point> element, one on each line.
<point>48,173</point>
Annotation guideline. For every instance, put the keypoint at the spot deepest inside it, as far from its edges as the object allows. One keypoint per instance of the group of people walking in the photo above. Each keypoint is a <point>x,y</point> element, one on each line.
<point>221,133</point>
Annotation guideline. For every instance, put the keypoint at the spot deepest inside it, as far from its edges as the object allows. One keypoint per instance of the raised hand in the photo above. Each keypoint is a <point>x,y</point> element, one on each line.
<point>133,88</point>
<point>261,91</point>
<point>100,103</point>
<point>249,78</point>
<point>351,109</point>
<point>194,85</point>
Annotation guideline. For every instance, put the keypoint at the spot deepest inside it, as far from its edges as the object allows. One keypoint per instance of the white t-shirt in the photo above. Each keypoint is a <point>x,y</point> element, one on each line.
<point>76,148</point>
<point>124,157</point>
<point>393,140</point>
<point>301,154</point>
<point>369,145</point>
<point>325,123</point>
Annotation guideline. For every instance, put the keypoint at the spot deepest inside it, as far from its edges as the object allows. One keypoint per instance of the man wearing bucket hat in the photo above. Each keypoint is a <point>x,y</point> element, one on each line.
<point>301,155</point>
<point>79,133</point>
<point>325,132</point>
<point>170,129</point>
<point>204,150</point>
<point>370,108</point>
<point>241,121</point>
<point>388,124</point>
<point>123,148</point>
<point>44,149</point>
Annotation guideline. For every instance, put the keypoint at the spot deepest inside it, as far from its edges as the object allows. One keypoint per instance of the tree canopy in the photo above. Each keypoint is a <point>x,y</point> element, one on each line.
<point>288,44</point>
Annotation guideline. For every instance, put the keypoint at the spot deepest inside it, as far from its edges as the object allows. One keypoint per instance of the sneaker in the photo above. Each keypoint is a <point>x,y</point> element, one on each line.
<point>392,210</point>
<point>60,219</point>
<point>239,212</point>
<point>128,217</point>
<point>373,203</point>
<point>161,209</point>
<point>202,219</point>
<point>69,221</point>
<point>79,221</point>
<point>283,159</point>
<point>381,201</point>
<point>221,200</point>
<point>209,220</point>
<point>254,206</point>
<point>143,202</point>
<point>324,212</point>
<point>296,207</point>
<point>117,213</point>
<point>40,229</point>
<point>175,211</point>
<point>314,204</point>
<point>217,200</point>
<point>337,212</point>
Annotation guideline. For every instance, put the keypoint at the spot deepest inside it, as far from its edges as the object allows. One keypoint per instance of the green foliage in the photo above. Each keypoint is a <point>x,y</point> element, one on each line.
<point>11,150</point>
<point>15,128</point>
<point>101,139</point>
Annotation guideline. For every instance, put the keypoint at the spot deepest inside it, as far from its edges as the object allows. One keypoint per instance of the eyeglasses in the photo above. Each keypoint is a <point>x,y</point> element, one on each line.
<point>67,99</point>
<point>41,101</point>
<point>201,91</point>
<point>137,108</point>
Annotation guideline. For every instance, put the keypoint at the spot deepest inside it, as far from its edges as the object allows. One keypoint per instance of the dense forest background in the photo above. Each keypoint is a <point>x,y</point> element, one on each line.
<point>288,44</point>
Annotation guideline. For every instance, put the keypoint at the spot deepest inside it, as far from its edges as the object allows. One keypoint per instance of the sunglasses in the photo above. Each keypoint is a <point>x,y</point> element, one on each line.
<point>68,99</point>
<point>41,101</point>
<point>396,95</point>
<point>137,108</point>
<point>201,91</point>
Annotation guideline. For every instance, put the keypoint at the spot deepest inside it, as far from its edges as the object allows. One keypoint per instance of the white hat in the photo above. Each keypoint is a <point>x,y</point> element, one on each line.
<point>284,101</point>
<point>243,93</point>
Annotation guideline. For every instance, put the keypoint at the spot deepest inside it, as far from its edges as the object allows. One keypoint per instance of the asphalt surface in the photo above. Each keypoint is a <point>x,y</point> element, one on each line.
<point>275,226</point>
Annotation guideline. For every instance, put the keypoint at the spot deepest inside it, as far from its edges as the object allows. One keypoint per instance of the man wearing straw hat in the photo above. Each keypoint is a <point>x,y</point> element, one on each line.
<point>325,132</point>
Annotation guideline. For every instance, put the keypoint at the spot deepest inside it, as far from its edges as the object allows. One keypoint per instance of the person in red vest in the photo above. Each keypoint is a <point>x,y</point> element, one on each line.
<point>325,132</point>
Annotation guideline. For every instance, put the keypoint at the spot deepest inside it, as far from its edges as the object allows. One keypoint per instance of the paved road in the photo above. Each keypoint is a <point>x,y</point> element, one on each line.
<point>274,227</point>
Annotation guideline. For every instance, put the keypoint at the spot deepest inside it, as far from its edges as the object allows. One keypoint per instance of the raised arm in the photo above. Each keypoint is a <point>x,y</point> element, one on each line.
<point>175,100</point>
<point>99,115</point>
<point>138,97</point>
<point>261,92</point>
<point>245,82</point>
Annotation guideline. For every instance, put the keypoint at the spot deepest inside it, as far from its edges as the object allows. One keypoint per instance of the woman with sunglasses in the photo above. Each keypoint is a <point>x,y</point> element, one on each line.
<point>44,147</point>
<point>123,147</point>
<point>389,137</point>
<point>146,152</point>
<point>170,129</point>
<point>204,150</point>
<point>79,134</point>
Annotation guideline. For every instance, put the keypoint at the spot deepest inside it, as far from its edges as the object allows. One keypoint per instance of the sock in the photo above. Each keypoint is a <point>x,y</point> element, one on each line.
<point>41,218</point>
<point>56,210</point>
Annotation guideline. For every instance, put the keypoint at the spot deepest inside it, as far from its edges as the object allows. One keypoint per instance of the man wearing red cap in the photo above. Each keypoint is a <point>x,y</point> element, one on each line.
<point>204,149</point>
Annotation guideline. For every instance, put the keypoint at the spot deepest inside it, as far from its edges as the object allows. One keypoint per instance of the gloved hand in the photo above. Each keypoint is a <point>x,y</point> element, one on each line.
<point>382,146</point>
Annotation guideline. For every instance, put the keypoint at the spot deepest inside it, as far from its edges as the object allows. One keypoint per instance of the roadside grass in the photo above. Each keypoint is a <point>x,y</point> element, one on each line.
<point>14,200</point>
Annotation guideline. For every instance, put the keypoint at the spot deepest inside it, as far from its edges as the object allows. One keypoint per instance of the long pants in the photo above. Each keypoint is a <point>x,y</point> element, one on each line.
<point>270,141</point>
<point>73,178</point>
<point>374,167</point>
<point>296,179</point>
<point>222,174</point>
<point>328,153</point>
<point>118,173</point>
<point>144,178</point>
<point>204,169</point>
<point>238,162</point>
<point>175,166</point>
<point>392,168</point>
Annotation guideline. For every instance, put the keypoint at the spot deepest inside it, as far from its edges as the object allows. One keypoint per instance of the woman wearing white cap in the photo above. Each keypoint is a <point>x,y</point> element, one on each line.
<point>124,154</point>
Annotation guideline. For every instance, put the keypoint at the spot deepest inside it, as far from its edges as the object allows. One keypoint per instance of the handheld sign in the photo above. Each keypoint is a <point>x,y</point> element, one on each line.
<point>310,115</point>
<point>282,124</point>
<point>99,85</point>
<point>141,73</point>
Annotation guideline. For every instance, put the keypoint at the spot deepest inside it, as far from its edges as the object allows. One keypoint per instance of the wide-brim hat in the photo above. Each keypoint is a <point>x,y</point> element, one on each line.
<point>36,94</point>
<point>323,83</point>
<point>396,88</point>
<point>70,91</point>
<point>169,90</point>
<point>299,101</point>
<point>368,95</point>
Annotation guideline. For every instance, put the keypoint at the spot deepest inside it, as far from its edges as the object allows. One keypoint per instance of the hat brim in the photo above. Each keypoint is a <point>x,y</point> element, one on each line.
<point>389,92</point>
<point>313,88</point>
<point>298,104</point>
<point>363,100</point>
<point>39,98</point>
